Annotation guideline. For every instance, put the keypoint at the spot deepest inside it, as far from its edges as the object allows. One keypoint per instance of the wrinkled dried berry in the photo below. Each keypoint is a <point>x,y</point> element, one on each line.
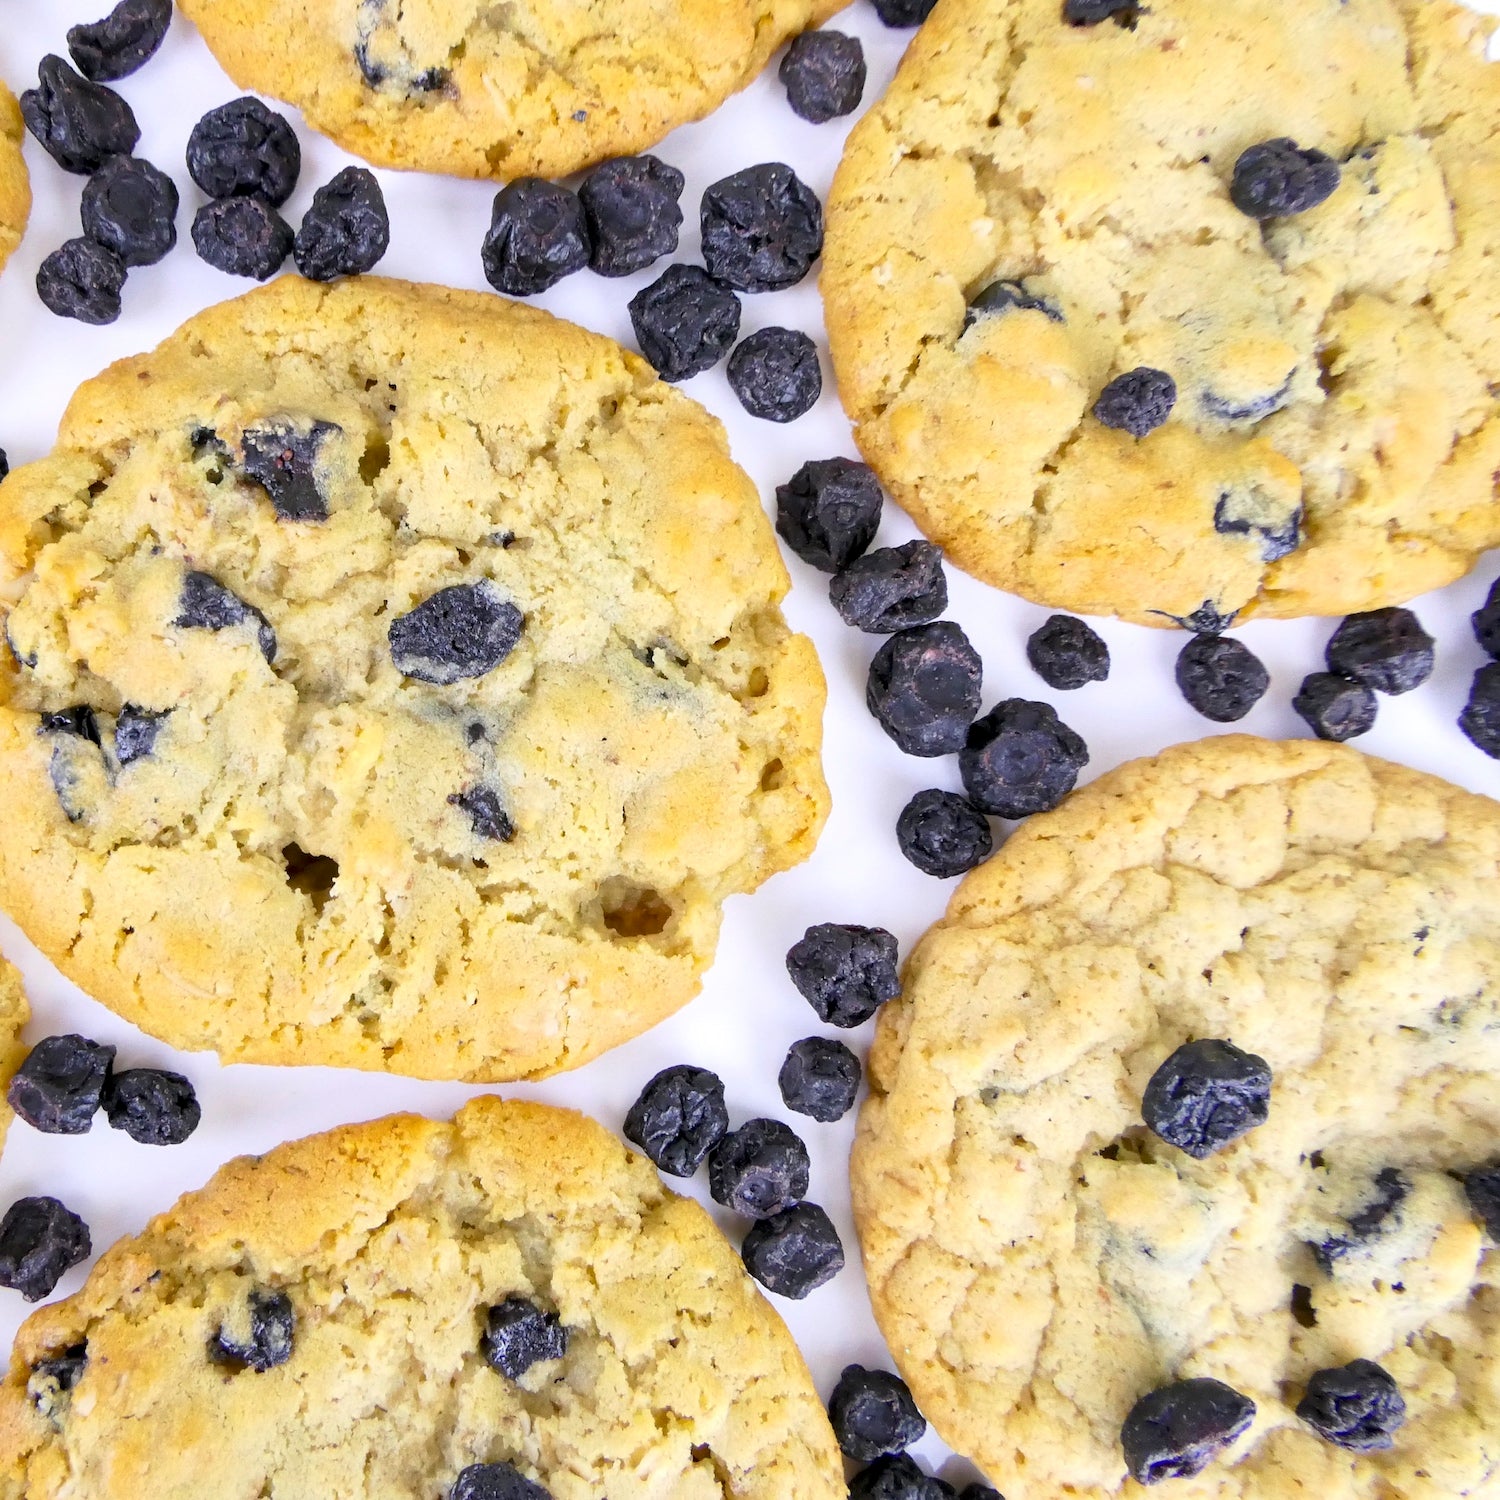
<point>80,124</point>
<point>896,1477</point>
<point>1091,12</point>
<point>1207,1094</point>
<point>1138,401</point>
<point>1004,296</point>
<point>346,230</point>
<point>1221,678</point>
<point>1176,1431</point>
<point>152,1106</point>
<point>891,589</point>
<point>1335,707</point>
<point>631,209</point>
<point>1207,619</point>
<point>924,687</point>
<point>873,1414</point>
<point>464,630</point>
<point>1252,409</point>
<point>1065,653</point>
<point>123,41</point>
<point>1391,1189</point>
<point>903,12</point>
<point>943,834</point>
<point>537,235</point>
<point>795,1252</point>
<point>136,730</point>
<point>244,150</point>
<point>53,1378</point>
<point>762,228</point>
<point>1482,1189</point>
<point>130,207</point>
<point>776,375</point>
<point>679,1118</point>
<point>1480,719</point>
<point>266,1338</point>
<point>59,1087</point>
<point>40,1241</point>
<point>519,1334</point>
<point>495,1482</point>
<point>759,1170</point>
<point>1020,758</point>
<point>820,1078</point>
<point>1246,510</point>
<point>242,237</point>
<point>685,321</point>
<point>823,73</point>
<point>1278,177</point>
<point>82,280</point>
<point>829,511</point>
<point>1356,1406</point>
<point>1386,649</point>
<point>205,604</point>
<point>79,720</point>
<point>846,973</point>
<point>487,817</point>
<point>282,458</point>
<point>1486,621</point>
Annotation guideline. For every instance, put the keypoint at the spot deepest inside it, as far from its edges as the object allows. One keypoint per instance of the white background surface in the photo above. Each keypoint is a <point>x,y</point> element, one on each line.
<point>748,1013</point>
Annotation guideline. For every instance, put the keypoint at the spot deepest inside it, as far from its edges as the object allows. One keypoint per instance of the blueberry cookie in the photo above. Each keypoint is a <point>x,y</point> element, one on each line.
<point>396,680</point>
<point>1182,1153</point>
<point>507,1307</point>
<point>483,90</point>
<point>14,1013</point>
<point>1186,311</point>
<point>15,185</point>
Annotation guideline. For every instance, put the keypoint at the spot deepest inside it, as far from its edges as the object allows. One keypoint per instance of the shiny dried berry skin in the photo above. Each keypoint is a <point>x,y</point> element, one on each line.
<point>1176,1431</point>
<point>943,834</point>
<point>759,1170</point>
<point>346,230</point>
<point>61,1083</point>
<point>1221,678</point>
<point>795,1252</point>
<point>272,1331</point>
<point>205,604</point>
<point>1386,649</point>
<point>123,41</point>
<point>79,124</point>
<point>893,588</point>
<point>1486,621</point>
<point>136,730</point>
<point>130,207</point>
<point>873,1414</point>
<point>1066,653</point>
<point>282,457</point>
<point>152,1106</point>
<point>519,1334</point>
<point>1356,1406</point>
<point>896,1477</point>
<point>923,688</point>
<point>82,280</point>
<point>632,212</point>
<point>464,630</point>
<point>1206,1095</point>
<point>829,511</point>
<point>242,237</point>
<point>40,1240</point>
<point>845,972</point>
<point>898,13</point>
<point>244,150</point>
<point>1020,758</point>
<point>495,1482</point>
<point>1390,1189</point>
<point>1138,401</point>
<point>820,1079</point>
<point>775,374</point>
<point>762,228</point>
<point>823,73</point>
<point>685,321</point>
<point>79,720</point>
<point>1091,12</point>
<point>1482,1189</point>
<point>1004,296</point>
<point>487,815</point>
<point>537,235</point>
<point>1335,707</point>
<point>679,1118</point>
<point>978,1491</point>
<point>1278,177</point>
<point>1480,719</point>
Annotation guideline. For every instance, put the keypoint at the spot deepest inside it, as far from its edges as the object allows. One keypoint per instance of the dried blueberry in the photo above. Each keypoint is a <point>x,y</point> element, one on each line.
<point>1386,649</point>
<point>1003,296</point>
<point>1177,1430</point>
<point>123,41</point>
<point>537,235</point>
<point>1091,12</point>
<point>464,630</point>
<point>820,1078</point>
<point>1480,719</point>
<point>1482,1189</point>
<point>1391,1188</point>
<point>846,973</point>
<point>58,1088</point>
<point>762,228</point>
<point>4,465</point>
<point>1207,1094</point>
<point>679,1118</point>
<point>130,207</point>
<point>1020,758</point>
<point>82,280</point>
<point>244,150</point>
<point>519,1334</point>
<point>205,604</point>
<point>1207,619</point>
<point>795,1252</point>
<point>54,1378</point>
<point>759,1170</point>
<point>346,230</point>
<point>901,13</point>
<point>265,1340</point>
<point>1335,707</point>
<point>242,237</point>
<point>631,208</point>
<point>943,834</point>
<point>1356,1406</point>
<point>39,1241</point>
<point>78,720</point>
<point>776,375</point>
<point>495,1482</point>
<point>1278,177</point>
<point>282,457</point>
<point>136,730</point>
<point>873,1414</point>
<point>923,688</point>
<point>487,817</point>
<point>823,73</point>
<point>152,1106</point>
<point>1221,678</point>
<point>829,511</point>
<point>891,589</point>
<point>80,124</point>
<point>1065,653</point>
<point>1252,409</point>
<point>1138,401</point>
<point>896,1477</point>
<point>1249,511</point>
<point>685,321</point>
<point>1486,621</point>
<point>979,1491</point>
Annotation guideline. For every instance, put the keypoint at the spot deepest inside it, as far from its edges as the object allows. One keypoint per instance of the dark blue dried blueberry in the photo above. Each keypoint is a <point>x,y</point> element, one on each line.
<point>894,588</point>
<point>943,834</point>
<point>923,688</point>
<point>130,207</point>
<point>40,1240</point>
<point>1207,1094</point>
<point>1356,1406</point>
<point>80,124</point>
<point>269,1330</point>
<point>1207,619</point>
<point>776,375</point>
<point>464,630</point>
<point>1335,707</point>
<point>1482,1189</point>
<point>902,13</point>
<point>846,973</point>
<point>1007,296</point>
<point>242,237</point>
<point>896,1477</point>
<point>59,1087</point>
<point>346,230</point>
<point>244,150</point>
<point>1138,401</point>
<point>1391,1189</point>
<point>537,235</point>
<point>152,1106</point>
<point>1176,1431</point>
<point>762,228</point>
<point>487,817</point>
<point>1091,12</point>
<point>1249,409</point>
<point>829,511</point>
<point>1486,621</point>
<point>679,1118</point>
<point>126,39</point>
<point>1480,719</point>
<point>979,1491</point>
<point>282,457</point>
<point>1278,177</point>
<point>205,604</point>
<point>79,720</point>
<point>685,321</point>
<point>495,1482</point>
<point>820,1079</point>
<point>53,1378</point>
<point>823,73</point>
<point>136,730</point>
<point>631,208</point>
<point>82,280</point>
<point>1020,758</point>
<point>1248,512</point>
<point>1386,649</point>
<point>1221,678</point>
<point>518,1334</point>
<point>759,1170</point>
<point>1066,653</point>
<point>873,1414</point>
<point>4,465</point>
<point>795,1252</point>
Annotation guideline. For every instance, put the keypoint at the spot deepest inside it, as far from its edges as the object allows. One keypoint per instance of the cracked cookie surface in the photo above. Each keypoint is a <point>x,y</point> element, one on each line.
<point>374,1255</point>
<point>1039,1260</point>
<point>482,89</point>
<point>396,680</point>
<point>15,184</point>
<point>1335,435</point>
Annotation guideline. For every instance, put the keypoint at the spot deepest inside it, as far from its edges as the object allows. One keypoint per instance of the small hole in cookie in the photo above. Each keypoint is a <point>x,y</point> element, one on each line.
<point>375,458</point>
<point>1302,1306</point>
<point>312,874</point>
<point>633,911</point>
<point>758,684</point>
<point>772,775</point>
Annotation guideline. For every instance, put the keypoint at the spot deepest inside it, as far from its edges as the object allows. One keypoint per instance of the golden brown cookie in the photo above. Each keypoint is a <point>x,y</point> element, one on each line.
<point>14,1014</point>
<point>15,185</point>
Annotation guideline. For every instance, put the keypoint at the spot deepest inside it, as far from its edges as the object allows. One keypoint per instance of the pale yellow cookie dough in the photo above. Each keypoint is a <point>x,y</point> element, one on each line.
<point>14,1014</point>
<point>15,184</point>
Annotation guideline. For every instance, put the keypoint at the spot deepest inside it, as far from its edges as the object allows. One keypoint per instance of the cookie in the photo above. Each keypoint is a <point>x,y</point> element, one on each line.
<point>1038,209</point>
<point>1041,1259</point>
<point>14,1014</point>
<point>396,681</point>
<point>478,90</point>
<point>371,1312</point>
<point>15,185</point>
